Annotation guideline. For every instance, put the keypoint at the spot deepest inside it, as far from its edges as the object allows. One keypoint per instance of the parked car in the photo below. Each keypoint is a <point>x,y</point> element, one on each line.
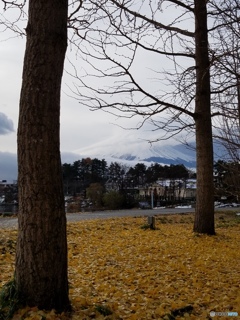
<point>144,205</point>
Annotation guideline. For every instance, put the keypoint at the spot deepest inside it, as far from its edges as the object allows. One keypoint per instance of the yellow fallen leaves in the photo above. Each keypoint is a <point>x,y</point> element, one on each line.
<point>35,314</point>
<point>116,266</point>
<point>7,254</point>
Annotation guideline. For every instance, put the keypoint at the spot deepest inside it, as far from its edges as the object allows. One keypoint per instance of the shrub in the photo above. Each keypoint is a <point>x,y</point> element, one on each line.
<point>113,200</point>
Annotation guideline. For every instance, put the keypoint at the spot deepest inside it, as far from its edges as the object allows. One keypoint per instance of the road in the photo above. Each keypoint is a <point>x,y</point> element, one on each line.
<point>126,213</point>
<point>7,222</point>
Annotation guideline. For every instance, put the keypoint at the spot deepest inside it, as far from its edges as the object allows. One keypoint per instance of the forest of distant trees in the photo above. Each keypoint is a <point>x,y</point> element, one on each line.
<point>94,175</point>
<point>81,174</point>
<point>88,176</point>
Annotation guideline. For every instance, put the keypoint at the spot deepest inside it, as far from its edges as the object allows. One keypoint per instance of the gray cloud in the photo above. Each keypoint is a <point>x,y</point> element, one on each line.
<point>6,124</point>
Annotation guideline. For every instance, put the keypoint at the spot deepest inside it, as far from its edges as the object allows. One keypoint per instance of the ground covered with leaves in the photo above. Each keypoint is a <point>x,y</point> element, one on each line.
<point>120,269</point>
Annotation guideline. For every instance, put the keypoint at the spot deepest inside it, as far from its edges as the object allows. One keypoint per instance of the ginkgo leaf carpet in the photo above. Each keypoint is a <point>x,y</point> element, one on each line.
<point>120,269</point>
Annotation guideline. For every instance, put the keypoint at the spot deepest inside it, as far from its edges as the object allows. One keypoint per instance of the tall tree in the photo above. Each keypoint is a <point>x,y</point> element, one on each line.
<point>117,173</point>
<point>204,215</point>
<point>41,257</point>
<point>227,180</point>
<point>134,33</point>
<point>226,76</point>
<point>138,174</point>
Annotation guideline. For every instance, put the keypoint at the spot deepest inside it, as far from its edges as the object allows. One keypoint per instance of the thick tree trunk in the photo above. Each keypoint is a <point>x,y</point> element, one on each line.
<point>41,259</point>
<point>204,216</point>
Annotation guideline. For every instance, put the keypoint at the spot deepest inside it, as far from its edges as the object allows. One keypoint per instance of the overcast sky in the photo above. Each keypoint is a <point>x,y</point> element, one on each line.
<point>80,127</point>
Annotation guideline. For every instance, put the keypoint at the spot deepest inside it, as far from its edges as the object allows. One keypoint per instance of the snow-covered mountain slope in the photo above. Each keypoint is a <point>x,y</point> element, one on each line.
<point>128,148</point>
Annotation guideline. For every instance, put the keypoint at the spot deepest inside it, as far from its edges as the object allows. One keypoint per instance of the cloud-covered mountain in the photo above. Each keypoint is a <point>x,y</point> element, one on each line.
<point>129,149</point>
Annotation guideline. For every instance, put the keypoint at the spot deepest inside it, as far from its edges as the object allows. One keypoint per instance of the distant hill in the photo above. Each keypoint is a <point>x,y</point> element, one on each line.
<point>8,164</point>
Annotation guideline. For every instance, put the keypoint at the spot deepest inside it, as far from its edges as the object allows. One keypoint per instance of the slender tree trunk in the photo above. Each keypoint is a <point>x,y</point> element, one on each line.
<point>41,258</point>
<point>204,216</point>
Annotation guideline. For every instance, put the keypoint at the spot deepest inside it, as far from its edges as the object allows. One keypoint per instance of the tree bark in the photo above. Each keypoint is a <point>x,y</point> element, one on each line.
<point>41,258</point>
<point>204,216</point>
